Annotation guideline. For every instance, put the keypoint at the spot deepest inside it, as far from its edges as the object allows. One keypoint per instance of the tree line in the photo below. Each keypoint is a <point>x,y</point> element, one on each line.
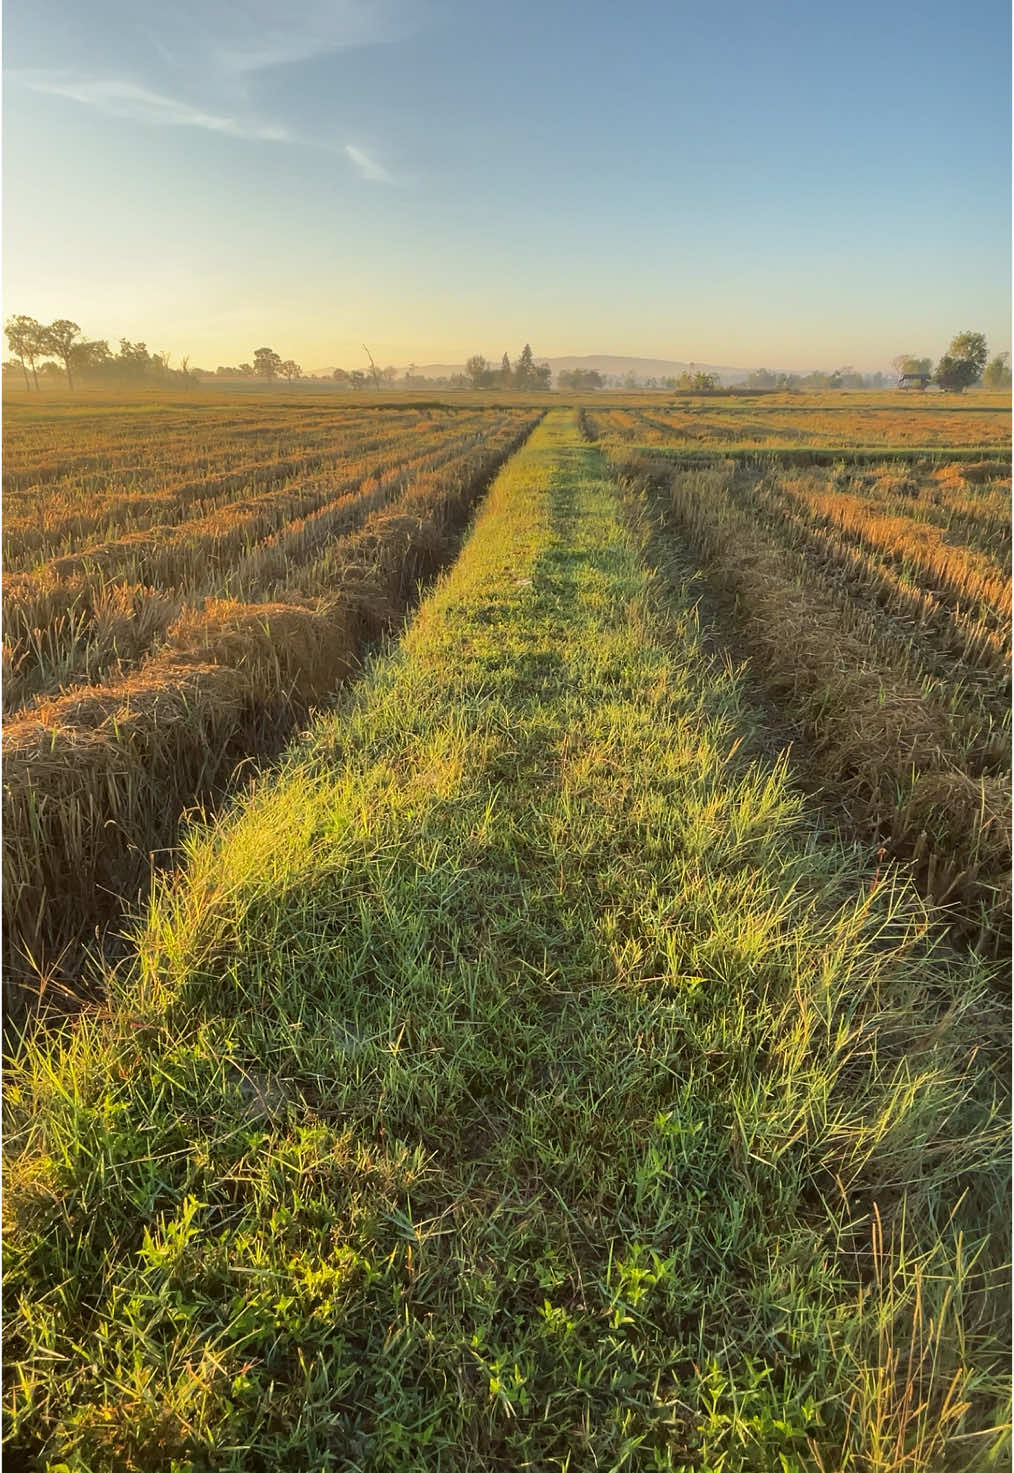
<point>525,373</point>
<point>57,349</point>
<point>964,364</point>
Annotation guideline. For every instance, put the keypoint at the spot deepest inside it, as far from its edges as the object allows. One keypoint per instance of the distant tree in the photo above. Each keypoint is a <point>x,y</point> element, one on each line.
<point>357,379</point>
<point>845,378</point>
<point>341,376</point>
<point>25,337</point>
<point>581,378</point>
<point>693,381</point>
<point>60,339</point>
<point>970,347</point>
<point>531,375</point>
<point>290,370</point>
<point>963,362</point>
<point>761,378</point>
<point>93,359</point>
<point>133,360</point>
<point>267,363</point>
<point>20,361</point>
<point>953,375</point>
<point>506,375</point>
<point>908,363</point>
<point>389,375</point>
<point>524,368</point>
<point>997,373</point>
<point>11,366</point>
<point>478,371</point>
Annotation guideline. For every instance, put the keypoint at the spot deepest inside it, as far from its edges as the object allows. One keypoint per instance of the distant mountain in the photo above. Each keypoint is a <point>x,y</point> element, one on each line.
<point>645,367</point>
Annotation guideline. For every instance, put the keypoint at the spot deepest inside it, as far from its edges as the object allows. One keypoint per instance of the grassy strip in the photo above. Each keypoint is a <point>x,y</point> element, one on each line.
<point>96,780</point>
<point>515,1081</point>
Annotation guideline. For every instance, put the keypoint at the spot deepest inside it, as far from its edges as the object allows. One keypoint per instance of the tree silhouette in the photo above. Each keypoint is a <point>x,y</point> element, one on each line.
<point>267,363</point>
<point>478,370</point>
<point>60,339</point>
<point>24,335</point>
<point>963,362</point>
<point>997,374</point>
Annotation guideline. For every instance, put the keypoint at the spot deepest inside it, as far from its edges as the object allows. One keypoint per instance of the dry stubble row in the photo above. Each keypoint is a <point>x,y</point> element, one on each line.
<point>878,745</point>
<point>96,782</point>
<point>79,617</point>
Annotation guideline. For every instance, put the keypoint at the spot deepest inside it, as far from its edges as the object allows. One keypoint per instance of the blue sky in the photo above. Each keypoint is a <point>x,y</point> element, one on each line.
<point>790,184</point>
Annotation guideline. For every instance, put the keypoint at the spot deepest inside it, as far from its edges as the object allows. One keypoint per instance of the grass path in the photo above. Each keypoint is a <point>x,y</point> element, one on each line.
<point>516,1081</point>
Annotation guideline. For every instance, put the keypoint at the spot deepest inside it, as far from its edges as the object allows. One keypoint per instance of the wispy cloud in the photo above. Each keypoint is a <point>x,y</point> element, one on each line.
<point>127,100</point>
<point>190,64</point>
<point>251,37</point>
<point>370,168</point>
<point>140,104</point>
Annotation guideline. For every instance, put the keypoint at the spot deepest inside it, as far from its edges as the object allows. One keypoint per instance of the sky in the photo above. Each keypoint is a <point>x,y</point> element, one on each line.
<point>793,185</point>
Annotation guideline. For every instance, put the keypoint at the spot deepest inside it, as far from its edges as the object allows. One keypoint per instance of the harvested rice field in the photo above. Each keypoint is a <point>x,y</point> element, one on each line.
<point>576,1034</point>
<point>177,603</point>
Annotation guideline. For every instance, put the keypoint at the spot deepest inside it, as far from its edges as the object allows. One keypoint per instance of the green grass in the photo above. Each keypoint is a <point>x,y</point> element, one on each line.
<point>518,1080</point>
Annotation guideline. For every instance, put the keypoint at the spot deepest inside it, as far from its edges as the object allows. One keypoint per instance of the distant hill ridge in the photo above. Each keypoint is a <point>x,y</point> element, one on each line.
<point>607,363</point>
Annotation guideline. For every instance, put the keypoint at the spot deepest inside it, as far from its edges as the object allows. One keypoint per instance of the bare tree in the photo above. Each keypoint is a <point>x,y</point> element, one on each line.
<point>373,367</point>
<point>478,370</point>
